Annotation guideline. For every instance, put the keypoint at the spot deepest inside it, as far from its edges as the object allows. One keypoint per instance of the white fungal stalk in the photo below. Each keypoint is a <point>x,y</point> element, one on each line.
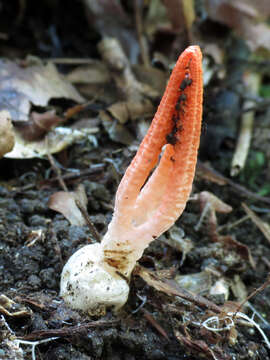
<point>97,275</point>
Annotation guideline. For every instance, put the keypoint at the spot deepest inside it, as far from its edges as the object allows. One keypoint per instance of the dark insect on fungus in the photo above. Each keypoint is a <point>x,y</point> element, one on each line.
<point>185,82</point>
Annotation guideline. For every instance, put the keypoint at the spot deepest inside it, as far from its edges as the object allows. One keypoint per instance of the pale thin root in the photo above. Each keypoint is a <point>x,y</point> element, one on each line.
<point>215,320</point>
<point>34,344</point>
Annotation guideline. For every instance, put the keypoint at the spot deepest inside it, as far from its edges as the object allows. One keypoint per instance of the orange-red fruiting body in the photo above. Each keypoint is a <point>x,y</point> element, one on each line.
<point>178,171</point>
<point>147,205</point>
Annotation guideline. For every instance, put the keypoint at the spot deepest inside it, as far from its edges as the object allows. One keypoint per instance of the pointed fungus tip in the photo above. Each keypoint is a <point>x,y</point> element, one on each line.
<point>177,123</point>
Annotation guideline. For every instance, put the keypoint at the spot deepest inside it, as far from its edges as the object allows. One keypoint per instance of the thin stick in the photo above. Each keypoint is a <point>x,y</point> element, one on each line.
<point>241,152</point>
<point>264,227</point>
<point>219,177</point>
<point>89,223</point>
<point>57,172</point>
<point>254,293</point>
<point>139,29</point>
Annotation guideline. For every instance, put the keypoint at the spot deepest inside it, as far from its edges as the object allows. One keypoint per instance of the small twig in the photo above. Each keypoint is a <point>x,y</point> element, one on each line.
<point>57,171</point>
<point>170,287</point>
<point>34,344</point>
<point>155,324</point>
<point>266,261</point>
<point>89,223</point>
<point>139,28</point>
<point>264,227</point>
<point>261,105</point>
<point>254,293</point>
<point>80,174</point>
<point>244,139</point>
<point>70,61</point>
<point>204,168</point>
<point>233,224</point>
<point>68,331</point>
<point>231,316</point>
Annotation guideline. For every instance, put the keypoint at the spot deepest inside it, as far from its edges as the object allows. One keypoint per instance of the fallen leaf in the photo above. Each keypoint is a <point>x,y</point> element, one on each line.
<point>179,241</point>
<point>210,205</point>
<point>116,131</point>
<point>201,347</point>
<point>239,289</point>
<point>7,133</point>
<point>38,125</point>
<point>21,87</point>
<point>122,73</point>
<point>240,249</point>
<point>196,283</point>
<point>9,308</point>
<point>109,18</point>
<point>130,110</point>
<point>55,141</point>
<point>263,226</point>
<point>64,203</point>
<point>96,73</point>
<point>170,287</point>
<point>245,17</point>
<point>181,14</point>
<point>220,287</point>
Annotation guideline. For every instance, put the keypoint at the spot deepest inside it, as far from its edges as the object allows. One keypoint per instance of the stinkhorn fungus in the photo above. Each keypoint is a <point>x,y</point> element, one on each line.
<point>146,205</point>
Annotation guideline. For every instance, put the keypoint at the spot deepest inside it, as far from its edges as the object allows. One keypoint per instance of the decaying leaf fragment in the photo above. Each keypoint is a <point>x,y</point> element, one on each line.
<point>10,308</point>
<point>55,141</point>
<point>263,226</point>
<point>6,133</point>
<point>65,203</point>
<point>210,205</point>
<point>38,125</point>
<point>245,17</point>
<point>21,87</point>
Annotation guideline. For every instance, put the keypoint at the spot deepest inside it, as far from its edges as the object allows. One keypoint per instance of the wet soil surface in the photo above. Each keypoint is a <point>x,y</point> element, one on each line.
<point>36,242</point>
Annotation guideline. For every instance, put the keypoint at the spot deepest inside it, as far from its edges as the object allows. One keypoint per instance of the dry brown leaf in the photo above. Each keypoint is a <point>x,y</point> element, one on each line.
<point>21,87</point>
<point>130,110</point>
<point>6,133</point>
<point>241,249</point>
<point>55,141</point>
<point>64,202</point>
<point>201,347</point>
<point>11,309</point>
<point>179,241</point>
<point>210,205</point>
<point>38,125</point>
<point>196,283</point>
<point>220,287</point>
<point>263,226</point>
<point>170,287</point>
<point>207,198</point>
<point>181,13</point>
<point>239,288</point>
<point>96,73</point>
<point>116,131</point>
<point>109,18</point>
<point>207,173</point>
<point>122,73</point>
<point>245,17</point>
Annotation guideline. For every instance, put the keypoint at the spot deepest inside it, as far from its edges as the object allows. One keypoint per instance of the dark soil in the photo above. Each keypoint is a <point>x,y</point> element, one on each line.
<point>35,242</point>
